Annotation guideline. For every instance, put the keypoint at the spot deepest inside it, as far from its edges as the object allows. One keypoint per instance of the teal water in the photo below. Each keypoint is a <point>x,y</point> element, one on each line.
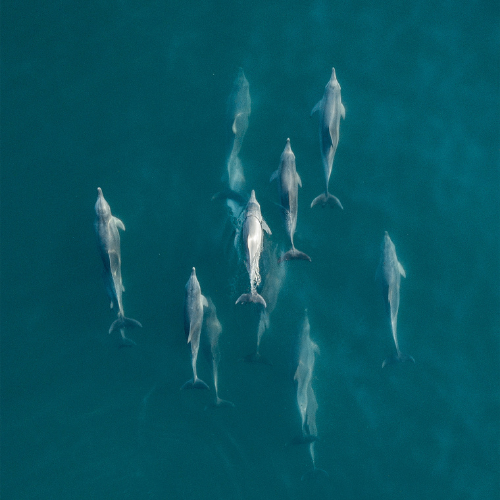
<point>131,97</point>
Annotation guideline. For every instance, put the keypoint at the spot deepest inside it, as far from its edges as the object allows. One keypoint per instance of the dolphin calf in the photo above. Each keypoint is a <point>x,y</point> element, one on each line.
<point>252,232</point>
<point>194,302</point>
<point>213,330</point>
<point>288,189</point>
<point>389,274</point>
<point>108,241</point>
<point>273,283</point>
<point>330,110</point>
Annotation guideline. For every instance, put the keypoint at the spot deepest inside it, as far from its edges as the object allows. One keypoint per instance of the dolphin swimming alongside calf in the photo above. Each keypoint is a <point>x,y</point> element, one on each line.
<point>389,274</point>
<point>330,110</point>
<point>108,241</point>
<point>288,189</point>
<point>194,302</point>
<point>252,232</point>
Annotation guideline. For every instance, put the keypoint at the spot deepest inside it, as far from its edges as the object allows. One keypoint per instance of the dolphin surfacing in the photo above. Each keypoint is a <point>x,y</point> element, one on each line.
<point>330,110</point>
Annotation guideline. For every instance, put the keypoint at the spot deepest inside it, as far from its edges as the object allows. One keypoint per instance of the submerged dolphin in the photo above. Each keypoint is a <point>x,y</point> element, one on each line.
<point>239,107</point>
<point>303,376</point>
<point>288,189</point>
<point>306,399</point>
<point>253,226</point>
<point>273,283</point>
<point>389,275</point>
<point>194,302</point>
<point>330,110</point>
<point>108,241</point>
<point>213,329</point>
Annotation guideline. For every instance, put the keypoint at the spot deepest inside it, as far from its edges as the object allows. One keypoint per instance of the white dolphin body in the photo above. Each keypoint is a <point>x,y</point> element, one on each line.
<point>330,110</point>
<point>194,302</point>
<point>288,189</point>
<point>108,241</point>
<point>389,274</point>
<point>253,227</point>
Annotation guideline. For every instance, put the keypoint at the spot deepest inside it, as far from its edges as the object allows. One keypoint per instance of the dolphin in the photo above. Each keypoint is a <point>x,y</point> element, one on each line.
<point>273,283</point>
<point>194,302</point>
<point>389,274</point>
<point>108,242</point>
<point>288,189</point>
<point>303,376</point>
<point>253,226</point>
<point>239,107</point>
<point>213,330</point>
<point>330,110</point>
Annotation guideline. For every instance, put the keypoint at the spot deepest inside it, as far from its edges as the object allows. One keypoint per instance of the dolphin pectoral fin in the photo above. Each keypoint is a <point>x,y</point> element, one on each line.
<point>204,301</point>
<point>312,474</point>
<point>265,227</point>
<point>274,175</point>
<point>123,322</point>
<point>342,111</point>
<point>294,254</point>
<point>251,297</point>
<point>111,305</point>
<point>327,198</point>
<point>195,384</point>
<point>401,270</point>
<point>119,223</point>
<point>317,107</point>
<point>298,179</point>
<point>397,358</point>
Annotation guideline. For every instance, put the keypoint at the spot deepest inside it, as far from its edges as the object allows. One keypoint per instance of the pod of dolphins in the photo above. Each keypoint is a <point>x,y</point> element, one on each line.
<point>201,325</point>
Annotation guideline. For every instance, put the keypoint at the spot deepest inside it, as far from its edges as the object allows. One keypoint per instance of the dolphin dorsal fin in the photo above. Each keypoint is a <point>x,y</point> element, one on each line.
<point>234,128</point>
<point>317,107</point>
<point>401,270</point>
<point>119,223</point>
<point>204,301</point>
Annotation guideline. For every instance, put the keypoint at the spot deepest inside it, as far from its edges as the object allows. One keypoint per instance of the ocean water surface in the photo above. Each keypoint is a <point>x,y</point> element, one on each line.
<point>131,97</point>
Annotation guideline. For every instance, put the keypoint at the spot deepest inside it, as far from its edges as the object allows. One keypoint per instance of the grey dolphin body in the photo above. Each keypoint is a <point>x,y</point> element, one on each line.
<point>330,110</point>
<point>288,189</point>
<point>389,274</point>
<point>108,242</point>
<point>252,232</point>
<point>213,329</point>
<point>194,302</point>
<point>306,399</point>
<point>273,283</point>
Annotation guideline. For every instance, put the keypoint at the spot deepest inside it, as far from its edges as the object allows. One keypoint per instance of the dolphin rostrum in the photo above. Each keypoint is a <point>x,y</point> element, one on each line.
<point>253,226</point>
<point>330,110</point>
<point>194,302</point>
<point>108,242</point>
<point>389,276</point>
<point>213,330</point>
<point>288,189</point>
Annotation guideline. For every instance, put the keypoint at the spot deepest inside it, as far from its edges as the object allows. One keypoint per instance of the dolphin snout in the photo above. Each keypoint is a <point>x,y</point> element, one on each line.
<point>99,191</point>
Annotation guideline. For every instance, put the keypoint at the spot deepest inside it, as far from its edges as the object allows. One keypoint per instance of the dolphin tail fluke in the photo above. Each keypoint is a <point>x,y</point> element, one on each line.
<point>222,403</point>
<point>397,358</point>
<point>195,384</point>
<point>125,341</point>
<point>294,254</point>
<point>312,474</point>
<point>122,322</point>
<point>251,297</point>
<point>257,359</point>
<point>327,199</point>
